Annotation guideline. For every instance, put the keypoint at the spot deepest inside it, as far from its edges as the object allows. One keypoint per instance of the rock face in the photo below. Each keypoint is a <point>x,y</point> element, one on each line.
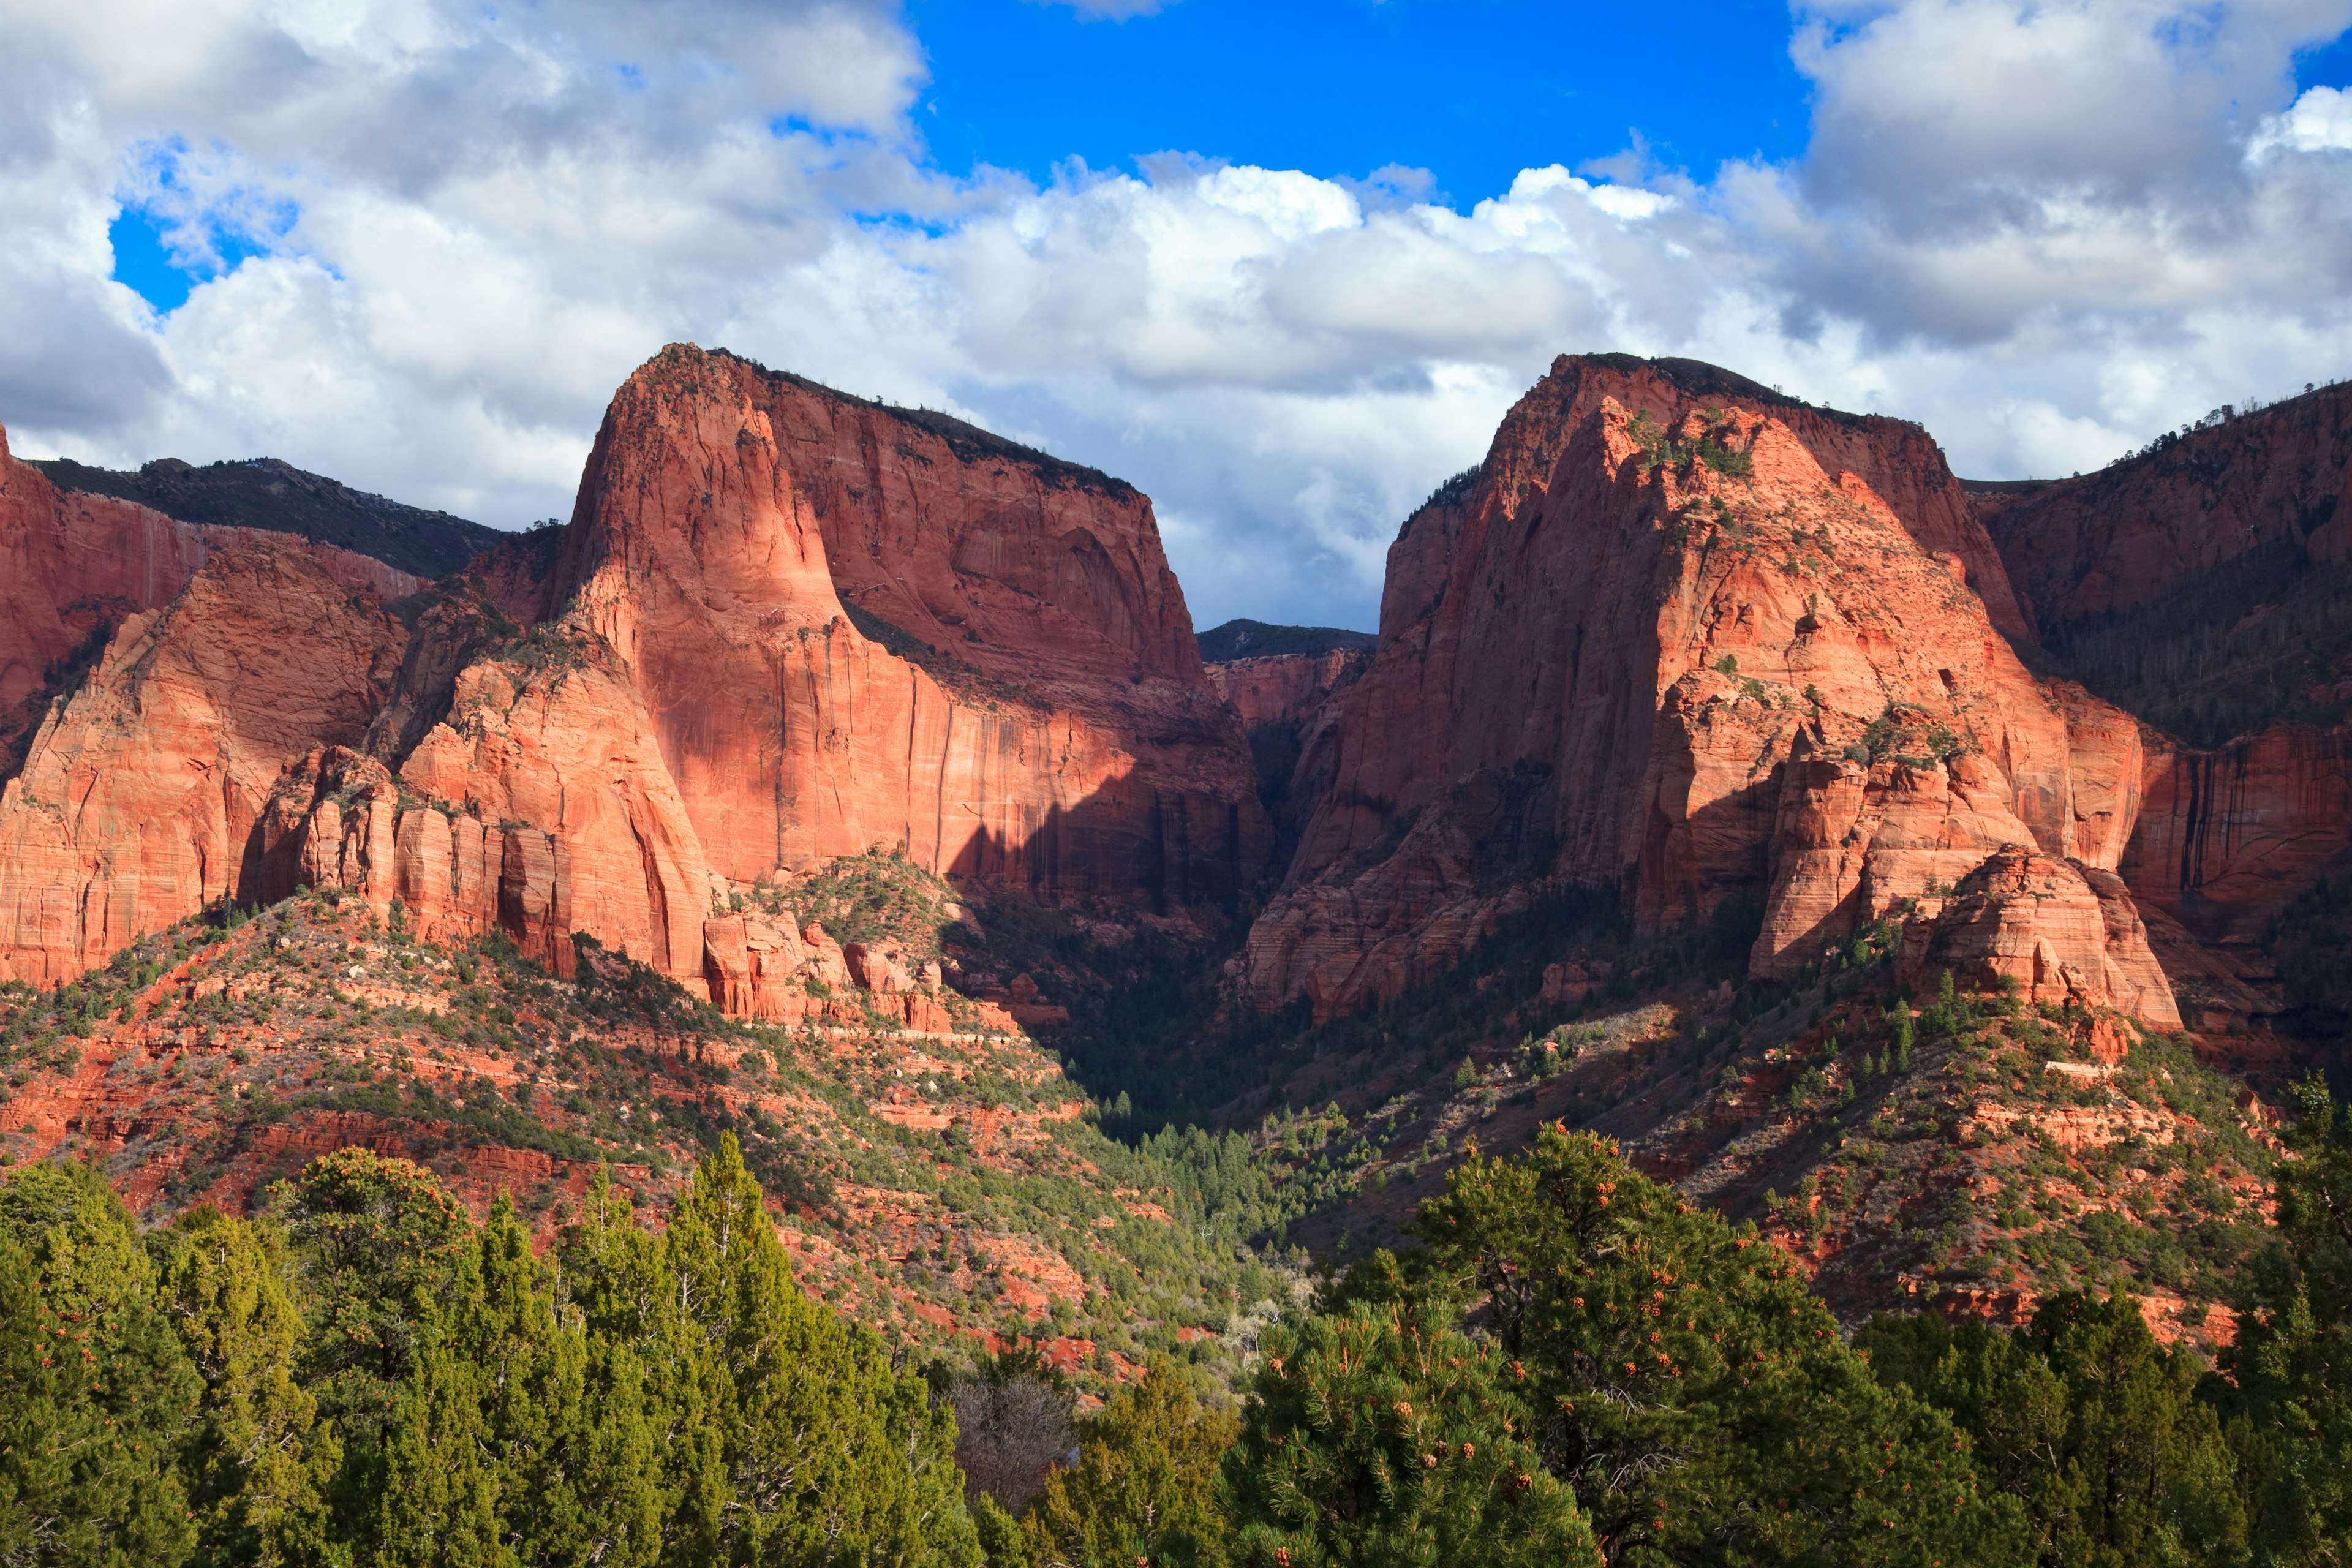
<point>1681,636</point>
<point>2062,931</point>
<point>785,625</point>
<point>2207,585</point>
<point>141,791</point>
<point>73,566</point>
<point>1282,688</point>
<point>267,494</point>
<point>2136,532</point>
<point>852,627</point>
<point>2227,837</point>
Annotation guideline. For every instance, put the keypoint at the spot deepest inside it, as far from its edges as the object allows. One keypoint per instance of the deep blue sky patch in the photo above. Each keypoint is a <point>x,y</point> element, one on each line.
<point>153,260</point>
<point>1473,90</point>
<point>145,263</point>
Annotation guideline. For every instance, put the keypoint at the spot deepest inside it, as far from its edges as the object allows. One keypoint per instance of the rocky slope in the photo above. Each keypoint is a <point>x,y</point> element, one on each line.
<point>785,624</point>
<point>934,1179</point>
<point>1721,651</point>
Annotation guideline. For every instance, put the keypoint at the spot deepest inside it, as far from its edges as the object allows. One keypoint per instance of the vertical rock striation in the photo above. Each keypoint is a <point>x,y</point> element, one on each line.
<point>2206,584</point>
<point>142,790</point>
<point>853,626</point>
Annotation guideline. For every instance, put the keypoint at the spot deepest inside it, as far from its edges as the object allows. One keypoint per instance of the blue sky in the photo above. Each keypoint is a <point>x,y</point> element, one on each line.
<point>1471,90</point>
<point>1283,265</point>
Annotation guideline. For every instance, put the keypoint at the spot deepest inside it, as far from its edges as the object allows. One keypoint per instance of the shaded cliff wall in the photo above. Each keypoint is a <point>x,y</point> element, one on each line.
<point>2206,584</point>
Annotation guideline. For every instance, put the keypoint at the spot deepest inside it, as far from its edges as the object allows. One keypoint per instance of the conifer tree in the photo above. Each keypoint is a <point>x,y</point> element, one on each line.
<point>1144,1487</point>
<point>797,1441</point>
<point>1377,1439</point>
<point>2289,1388</point>
<point>1699,1398</point>
<point>507,1443</point>
<point>2085,1420</point>
<point>2142,1477</point>
<point>97,1399</point>
<point>377,1242</point>
<point>254,1474</point>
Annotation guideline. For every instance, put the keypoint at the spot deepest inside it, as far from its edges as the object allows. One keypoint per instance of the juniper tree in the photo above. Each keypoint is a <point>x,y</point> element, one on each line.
<point>98,1401</point>
<point>1144,1487</point>
<point>1697,1396</point>
<point>786,1436</point>
<point>2289,1388</point>
<point>1377,1438</point>
<point>256,1471</point>
<point>510,1441</point>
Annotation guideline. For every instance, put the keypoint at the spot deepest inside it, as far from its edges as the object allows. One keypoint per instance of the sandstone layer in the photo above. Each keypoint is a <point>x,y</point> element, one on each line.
<point>139,797</point>
<point>2206,584</point>
<point>2138,530</point>
<point>2226,838</point>
<point>1683,636</point>
<point>2062,933</point>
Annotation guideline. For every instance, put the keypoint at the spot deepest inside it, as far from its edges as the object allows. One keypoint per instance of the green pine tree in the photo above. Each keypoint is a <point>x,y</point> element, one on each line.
<point>1699,1398</point>
<point>98,1401</point>
<point>1379,1439</point>
<point>514,1441</point>
<point>376,1242</point>
<point>2087,1420</point>
<point>1144,1487</point>
<point>2290,1369</point>
<point>255,1473</point>
<point>2144,1478</point>
<point>790,1436</point>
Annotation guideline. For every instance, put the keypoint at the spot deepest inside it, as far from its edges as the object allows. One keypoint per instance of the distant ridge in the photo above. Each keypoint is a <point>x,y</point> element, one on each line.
<point>264,493</point>
<point>1255,639</point>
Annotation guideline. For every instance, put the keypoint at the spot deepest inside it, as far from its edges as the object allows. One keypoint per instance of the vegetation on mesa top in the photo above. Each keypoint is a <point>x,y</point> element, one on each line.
<point>264,493</point>
<point>1256,639</point>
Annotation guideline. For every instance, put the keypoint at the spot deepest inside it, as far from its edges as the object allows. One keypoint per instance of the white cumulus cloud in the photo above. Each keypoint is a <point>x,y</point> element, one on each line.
<point>2047,231</point>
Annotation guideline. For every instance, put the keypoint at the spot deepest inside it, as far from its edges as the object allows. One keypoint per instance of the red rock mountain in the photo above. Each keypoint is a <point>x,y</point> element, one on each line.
<point>785,624</point>
<point>2206,584</point>
<point>1683,636</point>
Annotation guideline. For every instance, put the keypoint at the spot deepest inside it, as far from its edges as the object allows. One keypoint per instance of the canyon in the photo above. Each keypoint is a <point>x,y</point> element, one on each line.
<point>1705,731</point>
<point>1736,658</point>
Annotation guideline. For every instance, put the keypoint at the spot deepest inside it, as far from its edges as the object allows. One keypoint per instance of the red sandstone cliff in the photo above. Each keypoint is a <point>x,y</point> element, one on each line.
<point>1035,712</point>
<point>2207,585</point>
<point>1782,675</point>
<point>73,566</point>
<point>2134,532</point>
<point>138,800</point>
<point>1023,705</point>
<point>1282,688</point>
